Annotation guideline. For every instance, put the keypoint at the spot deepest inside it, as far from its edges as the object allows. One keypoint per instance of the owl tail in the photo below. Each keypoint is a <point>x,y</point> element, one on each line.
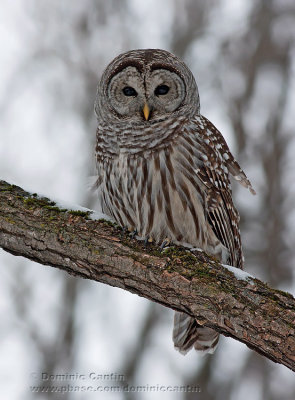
<point>187,333</point>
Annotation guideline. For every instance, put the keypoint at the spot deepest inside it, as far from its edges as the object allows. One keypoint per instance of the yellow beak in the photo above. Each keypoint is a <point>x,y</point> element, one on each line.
<point>146,111</point>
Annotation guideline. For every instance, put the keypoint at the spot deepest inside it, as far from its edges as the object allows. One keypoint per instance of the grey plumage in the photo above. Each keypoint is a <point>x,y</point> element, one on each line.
<point>163,169</point>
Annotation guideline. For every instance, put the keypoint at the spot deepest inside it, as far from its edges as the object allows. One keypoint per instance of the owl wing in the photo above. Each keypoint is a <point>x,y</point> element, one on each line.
<point>213,171</point>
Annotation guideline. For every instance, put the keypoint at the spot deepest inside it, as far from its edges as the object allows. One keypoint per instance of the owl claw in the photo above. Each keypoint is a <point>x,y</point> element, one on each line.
<point>148,240</point>
<point>166,242</point>
<point>133,234</point>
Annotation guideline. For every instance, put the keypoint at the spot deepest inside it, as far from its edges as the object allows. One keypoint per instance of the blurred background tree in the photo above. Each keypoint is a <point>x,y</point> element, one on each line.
<point>242,55</point>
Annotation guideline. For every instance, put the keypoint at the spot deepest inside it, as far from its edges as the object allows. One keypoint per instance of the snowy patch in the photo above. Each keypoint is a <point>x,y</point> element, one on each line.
<point>94,215</point>
<point>239,273</point>
<point>197,249</point>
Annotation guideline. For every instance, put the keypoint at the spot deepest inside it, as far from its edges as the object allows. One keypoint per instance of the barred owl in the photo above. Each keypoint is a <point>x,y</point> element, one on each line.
<point>163,168</point>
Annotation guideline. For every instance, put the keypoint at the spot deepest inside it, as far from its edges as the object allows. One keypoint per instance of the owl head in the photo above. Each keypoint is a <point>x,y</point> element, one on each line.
<point>145,86</point>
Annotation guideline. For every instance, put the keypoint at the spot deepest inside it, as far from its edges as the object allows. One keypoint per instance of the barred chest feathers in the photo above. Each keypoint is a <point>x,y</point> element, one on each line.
<point>157,190</point>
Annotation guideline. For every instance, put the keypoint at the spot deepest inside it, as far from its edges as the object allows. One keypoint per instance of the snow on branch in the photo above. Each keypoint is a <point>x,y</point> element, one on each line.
<point>226,299</point>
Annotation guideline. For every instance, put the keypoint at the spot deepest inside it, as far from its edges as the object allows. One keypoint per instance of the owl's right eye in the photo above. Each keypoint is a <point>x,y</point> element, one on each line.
<point>129,91</point>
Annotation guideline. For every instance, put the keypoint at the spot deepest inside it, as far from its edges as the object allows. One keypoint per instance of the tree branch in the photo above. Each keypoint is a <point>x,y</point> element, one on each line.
<point>227,300</point>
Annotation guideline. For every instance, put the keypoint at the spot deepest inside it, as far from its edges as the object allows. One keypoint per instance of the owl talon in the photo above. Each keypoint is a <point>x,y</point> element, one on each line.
<point>166,242</point>
<point>133,234</point>
<point>148,240</point>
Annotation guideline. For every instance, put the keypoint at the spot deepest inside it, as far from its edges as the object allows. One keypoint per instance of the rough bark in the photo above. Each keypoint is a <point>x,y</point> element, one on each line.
<point>245,309</point>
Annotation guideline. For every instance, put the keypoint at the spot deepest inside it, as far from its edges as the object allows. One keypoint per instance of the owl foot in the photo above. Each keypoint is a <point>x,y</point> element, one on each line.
<point>132,234</point>
<point>166,243</point>
<point>148,240</point>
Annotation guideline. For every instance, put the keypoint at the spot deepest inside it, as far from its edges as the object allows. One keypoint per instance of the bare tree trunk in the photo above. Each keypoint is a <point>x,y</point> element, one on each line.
<point>241,307</point>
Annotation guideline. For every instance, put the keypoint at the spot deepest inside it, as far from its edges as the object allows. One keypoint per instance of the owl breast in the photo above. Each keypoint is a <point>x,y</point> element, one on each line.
<point>159,195</point>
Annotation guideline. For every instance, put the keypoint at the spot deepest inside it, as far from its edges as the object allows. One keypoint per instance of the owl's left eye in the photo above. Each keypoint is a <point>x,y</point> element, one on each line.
<point>129,91</point>
<point>161,90</point>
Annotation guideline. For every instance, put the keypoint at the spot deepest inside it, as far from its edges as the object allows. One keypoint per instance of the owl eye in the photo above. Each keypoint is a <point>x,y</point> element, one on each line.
<point>161,90</point>
<point>129,91</point>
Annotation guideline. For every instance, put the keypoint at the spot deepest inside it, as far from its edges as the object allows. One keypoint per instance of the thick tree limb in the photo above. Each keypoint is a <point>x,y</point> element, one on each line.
<point>244,309</point>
